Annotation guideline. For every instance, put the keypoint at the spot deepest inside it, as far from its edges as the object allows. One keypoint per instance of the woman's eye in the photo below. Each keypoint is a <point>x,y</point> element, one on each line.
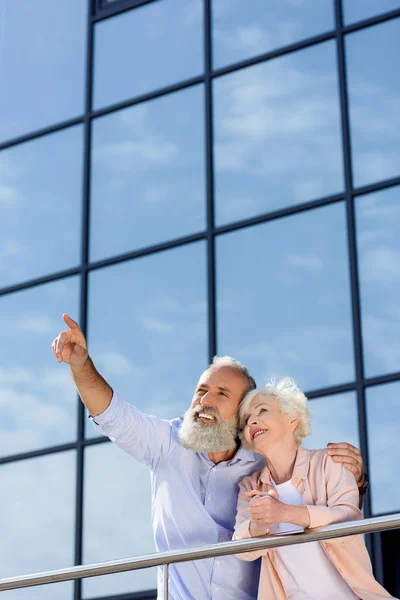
<point>262,410</point>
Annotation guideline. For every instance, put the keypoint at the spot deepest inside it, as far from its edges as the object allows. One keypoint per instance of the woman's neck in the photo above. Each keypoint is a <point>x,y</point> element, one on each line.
<point>280,461</point>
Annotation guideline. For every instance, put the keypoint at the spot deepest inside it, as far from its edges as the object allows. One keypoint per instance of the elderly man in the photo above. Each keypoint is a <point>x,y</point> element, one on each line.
<point>196,464</point>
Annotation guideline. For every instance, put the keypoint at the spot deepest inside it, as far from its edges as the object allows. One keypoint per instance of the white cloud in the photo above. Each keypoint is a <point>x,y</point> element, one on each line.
<point>381,265</point>
<point>161,326</point>
<point>8,195</point>
<point>116,363</point>
<point>37,323</point>
<point>133,156</point>
<point>308,262</point>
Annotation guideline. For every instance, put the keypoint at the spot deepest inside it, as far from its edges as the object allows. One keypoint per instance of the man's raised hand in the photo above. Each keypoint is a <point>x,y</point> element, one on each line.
<point>70,346</point>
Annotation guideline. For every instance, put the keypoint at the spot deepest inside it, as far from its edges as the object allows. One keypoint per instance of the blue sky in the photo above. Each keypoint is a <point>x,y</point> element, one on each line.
<point>283,297</point>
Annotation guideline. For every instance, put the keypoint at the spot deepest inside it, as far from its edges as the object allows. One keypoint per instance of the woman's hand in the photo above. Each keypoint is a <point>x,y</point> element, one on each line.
<point>265,509</point>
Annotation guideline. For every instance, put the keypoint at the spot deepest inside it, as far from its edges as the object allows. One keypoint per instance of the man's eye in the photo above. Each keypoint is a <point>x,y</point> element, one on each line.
<point>223,394</point>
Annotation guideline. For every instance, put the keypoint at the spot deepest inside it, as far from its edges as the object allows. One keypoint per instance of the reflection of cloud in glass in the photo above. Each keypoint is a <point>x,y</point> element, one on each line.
<point>277,134</point>
<point>150,160</point>
<point>241,31</point>
<point>378,223</point>
<point>333,419</point>
<point>40,206</point>
<point>37,522</point>
<point>117,518</point>
<point>384,456</point>
<point>153,346</point>
<point>374,95</point>
<point>356,10</point>
<point>282,316</point>
<point>43,47</point>
<point>168,33</point>
<point>37,397</point>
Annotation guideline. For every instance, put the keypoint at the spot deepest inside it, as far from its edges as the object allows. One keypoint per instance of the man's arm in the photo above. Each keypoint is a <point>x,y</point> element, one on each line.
<point>70,347</point>
<point>145,438</point>
<point>351,459</point>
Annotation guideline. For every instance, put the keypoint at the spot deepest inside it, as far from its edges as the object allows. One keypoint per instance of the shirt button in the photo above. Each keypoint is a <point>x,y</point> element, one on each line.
<point>217,562</point>
<point>209,497</point>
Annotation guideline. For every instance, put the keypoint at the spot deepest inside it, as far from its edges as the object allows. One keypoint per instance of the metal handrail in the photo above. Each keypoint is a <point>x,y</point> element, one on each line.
<point>222,549</point>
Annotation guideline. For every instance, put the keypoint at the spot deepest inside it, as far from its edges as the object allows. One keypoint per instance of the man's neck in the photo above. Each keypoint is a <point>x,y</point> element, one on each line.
<point>217,457</point>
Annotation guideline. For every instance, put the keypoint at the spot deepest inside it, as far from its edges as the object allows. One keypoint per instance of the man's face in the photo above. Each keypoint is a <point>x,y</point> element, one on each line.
<point>221,389</point>
<point>210,424</point>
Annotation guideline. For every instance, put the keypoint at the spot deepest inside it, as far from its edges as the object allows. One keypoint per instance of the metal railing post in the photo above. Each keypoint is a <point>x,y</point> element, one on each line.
<point>165,580</point>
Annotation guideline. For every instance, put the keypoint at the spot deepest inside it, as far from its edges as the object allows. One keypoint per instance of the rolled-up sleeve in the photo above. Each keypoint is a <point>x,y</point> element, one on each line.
<point>144,437</point>
<point>242,525</point>
<point>342,494</point>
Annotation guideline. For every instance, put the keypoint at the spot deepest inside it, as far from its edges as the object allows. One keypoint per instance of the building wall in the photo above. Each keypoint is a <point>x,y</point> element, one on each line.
<point>184,179</point>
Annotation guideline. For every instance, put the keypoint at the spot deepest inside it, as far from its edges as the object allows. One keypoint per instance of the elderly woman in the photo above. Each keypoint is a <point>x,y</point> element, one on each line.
<point>299,489</point>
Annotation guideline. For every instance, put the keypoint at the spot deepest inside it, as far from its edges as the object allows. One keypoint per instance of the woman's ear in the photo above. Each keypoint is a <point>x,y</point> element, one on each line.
<point>293,424</point>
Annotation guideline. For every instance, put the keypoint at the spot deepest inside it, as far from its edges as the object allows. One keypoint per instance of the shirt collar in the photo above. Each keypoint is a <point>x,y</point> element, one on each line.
<point>300,469</point>
<point>243,454</point>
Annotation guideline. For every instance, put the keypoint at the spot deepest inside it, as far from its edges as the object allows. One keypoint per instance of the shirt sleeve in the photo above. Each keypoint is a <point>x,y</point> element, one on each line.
<point>144,437</point>
<point>242,525</point>
<point>342,497</point>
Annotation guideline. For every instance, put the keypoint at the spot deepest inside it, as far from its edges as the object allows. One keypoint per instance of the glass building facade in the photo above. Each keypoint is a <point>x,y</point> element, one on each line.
<point>186,178</point>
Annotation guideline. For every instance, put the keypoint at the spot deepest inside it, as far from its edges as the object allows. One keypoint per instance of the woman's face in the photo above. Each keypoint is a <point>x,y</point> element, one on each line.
<point>267,425</point>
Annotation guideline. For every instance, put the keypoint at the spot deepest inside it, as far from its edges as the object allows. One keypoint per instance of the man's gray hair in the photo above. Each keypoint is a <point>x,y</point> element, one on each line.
<point>229,361</point>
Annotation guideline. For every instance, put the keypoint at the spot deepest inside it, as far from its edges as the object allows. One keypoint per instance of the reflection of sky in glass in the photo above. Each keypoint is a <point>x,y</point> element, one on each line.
<point>148,176</point>
<point>378,225</point>
<point>147,48</point>
<point>384,450</point>
<point>284,298</point>
<point>43,47</point>
<point>374,97</point>
<point>117,519</point>
<point>242,30</point>
<point>148,330</point>
<point>40,206</point>
<point>356,10</point>
<point>37,519</point>
<point>37,398</point>
<point>277,134</point>
<point>333,419</point>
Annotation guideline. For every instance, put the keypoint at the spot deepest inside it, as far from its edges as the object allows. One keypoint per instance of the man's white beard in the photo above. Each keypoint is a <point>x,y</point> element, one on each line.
<point>217,436</point>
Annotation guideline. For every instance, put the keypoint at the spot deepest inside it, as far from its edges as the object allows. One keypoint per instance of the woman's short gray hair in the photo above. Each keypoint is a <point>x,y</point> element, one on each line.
<point>291,400</point>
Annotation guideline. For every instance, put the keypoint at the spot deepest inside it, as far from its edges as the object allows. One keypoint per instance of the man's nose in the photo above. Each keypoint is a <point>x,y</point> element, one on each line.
<point>206,400</point>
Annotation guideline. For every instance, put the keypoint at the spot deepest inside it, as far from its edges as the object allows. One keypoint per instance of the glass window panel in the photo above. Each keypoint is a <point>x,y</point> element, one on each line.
<point>43,49</point>
<point>150,160</point>
<point>333,419</point>
<point>384,451</point>
<point>242,30</point>
<point>153,345</point>
<point>40,206</point>
<point>37,397</point>
<point>117,519</point>
<point>37,522</point>
<point>147,48</point>
<point>284,299</point>
<point>277,134</point>
<point>378,225</point>
<point>374,99</point>
<point>357,10</point>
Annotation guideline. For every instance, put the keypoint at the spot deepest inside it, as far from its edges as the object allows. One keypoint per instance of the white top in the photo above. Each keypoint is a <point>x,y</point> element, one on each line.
<point>304,569</point>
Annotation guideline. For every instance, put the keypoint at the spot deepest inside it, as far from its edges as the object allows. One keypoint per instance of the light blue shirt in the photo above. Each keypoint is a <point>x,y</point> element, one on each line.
<point>193,502</point>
